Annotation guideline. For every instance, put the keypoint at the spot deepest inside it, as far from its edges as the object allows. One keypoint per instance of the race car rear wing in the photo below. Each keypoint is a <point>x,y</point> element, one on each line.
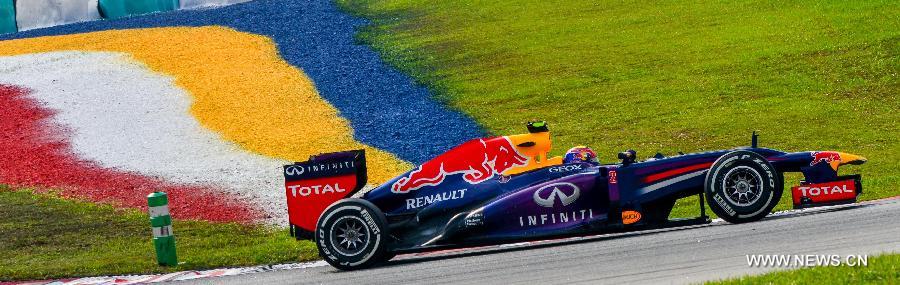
<point>313,185</point>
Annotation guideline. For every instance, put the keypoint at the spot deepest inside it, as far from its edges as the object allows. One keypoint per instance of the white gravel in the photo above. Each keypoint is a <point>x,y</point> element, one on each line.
<point>124,116</point>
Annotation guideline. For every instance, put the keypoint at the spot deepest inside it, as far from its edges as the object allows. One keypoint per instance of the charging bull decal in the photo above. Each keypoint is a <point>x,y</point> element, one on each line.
<point>825,156</point>
<point>476,160</point>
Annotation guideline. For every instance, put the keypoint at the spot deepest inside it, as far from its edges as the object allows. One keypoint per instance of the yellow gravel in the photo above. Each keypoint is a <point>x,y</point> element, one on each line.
<point>242,89</point>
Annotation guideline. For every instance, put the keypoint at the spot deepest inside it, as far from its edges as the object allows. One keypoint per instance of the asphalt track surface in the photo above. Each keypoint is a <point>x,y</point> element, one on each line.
<point>666,256</point>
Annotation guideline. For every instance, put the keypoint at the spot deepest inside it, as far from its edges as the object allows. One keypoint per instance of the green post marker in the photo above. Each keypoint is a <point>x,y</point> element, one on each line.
<point>161,221</point>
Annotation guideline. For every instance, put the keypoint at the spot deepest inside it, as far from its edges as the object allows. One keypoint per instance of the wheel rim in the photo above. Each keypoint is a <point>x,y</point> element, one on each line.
<point>350,235</point>
<point>742,186</point>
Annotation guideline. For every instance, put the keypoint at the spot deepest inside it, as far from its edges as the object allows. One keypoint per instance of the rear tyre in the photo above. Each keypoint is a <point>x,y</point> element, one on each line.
<point>351,234</point>
<point>742,186</point>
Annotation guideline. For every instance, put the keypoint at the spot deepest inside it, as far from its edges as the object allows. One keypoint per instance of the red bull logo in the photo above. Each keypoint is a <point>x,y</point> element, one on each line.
<point>825,156</point>
<point>477,161</point>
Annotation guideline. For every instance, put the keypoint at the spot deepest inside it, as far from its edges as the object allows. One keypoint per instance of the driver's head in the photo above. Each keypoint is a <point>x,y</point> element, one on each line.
<point>580,154</point>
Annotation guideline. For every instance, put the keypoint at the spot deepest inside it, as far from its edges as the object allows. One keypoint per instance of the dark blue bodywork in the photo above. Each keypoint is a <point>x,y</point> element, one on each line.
<point>566,199</point>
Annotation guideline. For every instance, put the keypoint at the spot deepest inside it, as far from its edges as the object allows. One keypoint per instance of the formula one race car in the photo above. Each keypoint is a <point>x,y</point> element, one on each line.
<point>503,189</point>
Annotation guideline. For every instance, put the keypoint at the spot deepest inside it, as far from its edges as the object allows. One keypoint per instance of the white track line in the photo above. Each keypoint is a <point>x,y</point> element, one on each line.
<point>187,275</point>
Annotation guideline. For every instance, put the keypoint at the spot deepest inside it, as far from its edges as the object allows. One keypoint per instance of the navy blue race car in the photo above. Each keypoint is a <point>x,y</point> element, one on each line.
<point>503,189</point>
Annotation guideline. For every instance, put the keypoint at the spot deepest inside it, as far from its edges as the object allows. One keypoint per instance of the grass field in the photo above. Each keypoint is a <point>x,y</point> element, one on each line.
<point>884,269</point>
<point>663,76</point>
<point>655,77</point>
<point>49,237</point>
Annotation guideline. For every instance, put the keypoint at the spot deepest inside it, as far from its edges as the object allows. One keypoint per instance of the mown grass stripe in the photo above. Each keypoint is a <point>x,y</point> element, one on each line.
<point>49,237</point>
<point>669,77</point>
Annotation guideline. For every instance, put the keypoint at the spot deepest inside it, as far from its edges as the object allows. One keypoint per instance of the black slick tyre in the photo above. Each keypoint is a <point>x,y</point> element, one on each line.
<point>742,186</point>
<point>351,234</point>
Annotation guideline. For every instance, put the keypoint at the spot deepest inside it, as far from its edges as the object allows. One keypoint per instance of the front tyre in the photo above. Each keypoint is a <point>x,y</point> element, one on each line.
<point>742,186</point>
<point>351,234</point>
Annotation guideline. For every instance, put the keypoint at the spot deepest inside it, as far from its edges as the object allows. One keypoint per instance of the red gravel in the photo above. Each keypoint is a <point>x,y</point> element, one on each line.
<point>35,153</point>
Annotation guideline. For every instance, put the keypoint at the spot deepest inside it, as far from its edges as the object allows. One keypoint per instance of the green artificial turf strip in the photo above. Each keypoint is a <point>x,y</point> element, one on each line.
<point>884,269</point>
<point>662,76</point>
<point>48,237</point>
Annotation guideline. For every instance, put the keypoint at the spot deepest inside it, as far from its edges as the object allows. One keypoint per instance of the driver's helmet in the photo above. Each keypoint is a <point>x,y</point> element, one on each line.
<point>580,154</point>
